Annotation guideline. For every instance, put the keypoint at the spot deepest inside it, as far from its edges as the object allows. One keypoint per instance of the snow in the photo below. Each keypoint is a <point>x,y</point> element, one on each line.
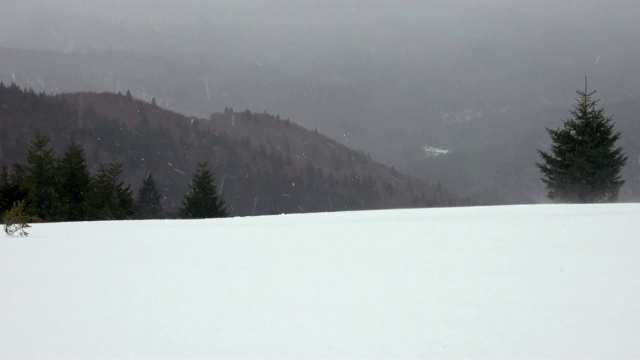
<point>430,151</point>
<point>545,281</point>
<point>206,86</point>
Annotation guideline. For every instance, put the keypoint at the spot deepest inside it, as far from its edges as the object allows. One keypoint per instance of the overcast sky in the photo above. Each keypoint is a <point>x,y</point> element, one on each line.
<point>253,21</point>
<point>502,40</point>
<point>366,72</point>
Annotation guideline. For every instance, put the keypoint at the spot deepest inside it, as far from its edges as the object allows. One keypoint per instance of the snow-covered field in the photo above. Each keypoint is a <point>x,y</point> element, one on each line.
<point>519,282</point>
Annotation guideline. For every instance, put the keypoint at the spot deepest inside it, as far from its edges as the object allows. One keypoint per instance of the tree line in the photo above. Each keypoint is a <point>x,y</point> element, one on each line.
<point>53,189</point>
<point>290,170</point>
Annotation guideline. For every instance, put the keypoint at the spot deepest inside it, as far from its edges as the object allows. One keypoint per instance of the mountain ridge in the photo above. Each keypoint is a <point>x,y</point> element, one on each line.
<point>263,164</point>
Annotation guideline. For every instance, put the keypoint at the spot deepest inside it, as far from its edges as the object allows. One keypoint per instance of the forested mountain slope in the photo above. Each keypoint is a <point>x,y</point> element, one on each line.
<point>382,77</point>
<point>263,164</point>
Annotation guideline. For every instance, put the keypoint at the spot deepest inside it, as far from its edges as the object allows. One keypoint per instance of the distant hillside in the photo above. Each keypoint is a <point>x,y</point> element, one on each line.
<point>263,164</point>
<point>378,76</point>
<point>492,158</point>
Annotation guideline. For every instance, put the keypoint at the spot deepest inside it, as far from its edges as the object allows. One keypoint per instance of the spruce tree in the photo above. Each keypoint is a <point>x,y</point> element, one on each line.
<point>149,206</point>
<point>584,165</point>
<point>5,189</point>
<point>11,190</point>
<point>202,199</point>
<point>110,199</point>
<point>75,181</point>
<point>41,180</point>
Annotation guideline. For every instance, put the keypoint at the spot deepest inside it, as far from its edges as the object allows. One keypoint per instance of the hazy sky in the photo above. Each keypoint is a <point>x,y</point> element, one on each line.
<point>366,72</point>
<point>256,22</point>
<point>460,45</point>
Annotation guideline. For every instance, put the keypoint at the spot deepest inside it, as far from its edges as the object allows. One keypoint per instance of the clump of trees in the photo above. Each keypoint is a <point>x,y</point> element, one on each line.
<point>51,189</point>
<point>584,164</point>
<point>63,189</point>
<point>283,171</point>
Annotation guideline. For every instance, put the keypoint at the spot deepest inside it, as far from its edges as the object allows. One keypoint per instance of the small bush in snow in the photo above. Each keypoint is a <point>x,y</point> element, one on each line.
<point>16,220</point>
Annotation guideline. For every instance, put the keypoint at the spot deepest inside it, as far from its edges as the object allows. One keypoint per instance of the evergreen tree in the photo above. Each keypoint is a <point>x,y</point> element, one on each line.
<point>75,182</point>
<point>41,180</point>
<point>16,220</point>
<point>11,190</point>
<point>5,190</point>
<point>149,206</point>
<point>202,199</point>
<point>110,199</point>
<point>584,164</point>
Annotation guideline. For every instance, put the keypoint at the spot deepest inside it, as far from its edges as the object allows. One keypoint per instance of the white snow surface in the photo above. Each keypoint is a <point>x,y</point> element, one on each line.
<point>542,281</point>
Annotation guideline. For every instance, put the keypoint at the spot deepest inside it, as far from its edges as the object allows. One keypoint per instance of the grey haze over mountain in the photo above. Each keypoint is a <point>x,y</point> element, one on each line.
<point>386,77</point>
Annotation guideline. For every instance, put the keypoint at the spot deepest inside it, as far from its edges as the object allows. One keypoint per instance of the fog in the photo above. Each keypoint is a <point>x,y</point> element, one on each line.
<point>500,43</point>
<point>385,77</point>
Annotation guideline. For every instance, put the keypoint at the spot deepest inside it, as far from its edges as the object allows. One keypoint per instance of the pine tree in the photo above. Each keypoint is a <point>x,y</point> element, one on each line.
<point>584,165</point>
<point>202,199</point>
<point>75,181</point>
<point>110,199</point>
<point>149,206</point>
<point>11,190</point>
<point>41,180</point>
<point>5,190</point>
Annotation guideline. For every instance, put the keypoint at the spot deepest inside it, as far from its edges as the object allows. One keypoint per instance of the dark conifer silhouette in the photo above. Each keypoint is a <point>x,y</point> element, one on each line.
<point>202,199</point>
<point>149,197</point>
<point>110,198</point>
<point>11,190</point>
<point>584,164</point>
<point>41,180</point>
<point>75,182</point>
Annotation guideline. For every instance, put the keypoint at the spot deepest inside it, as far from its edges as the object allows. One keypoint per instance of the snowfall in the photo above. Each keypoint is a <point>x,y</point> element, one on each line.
<point>540,281</point>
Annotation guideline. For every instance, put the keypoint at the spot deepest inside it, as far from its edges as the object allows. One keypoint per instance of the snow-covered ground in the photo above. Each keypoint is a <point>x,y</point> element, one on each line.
<point>488,282</point>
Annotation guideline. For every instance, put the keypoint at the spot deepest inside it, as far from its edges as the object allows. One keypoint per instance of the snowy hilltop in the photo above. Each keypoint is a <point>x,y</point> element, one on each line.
<point>546,281</point>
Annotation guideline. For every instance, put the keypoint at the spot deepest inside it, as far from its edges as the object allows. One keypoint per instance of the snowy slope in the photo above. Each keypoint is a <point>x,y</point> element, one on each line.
<point>520,281</point>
